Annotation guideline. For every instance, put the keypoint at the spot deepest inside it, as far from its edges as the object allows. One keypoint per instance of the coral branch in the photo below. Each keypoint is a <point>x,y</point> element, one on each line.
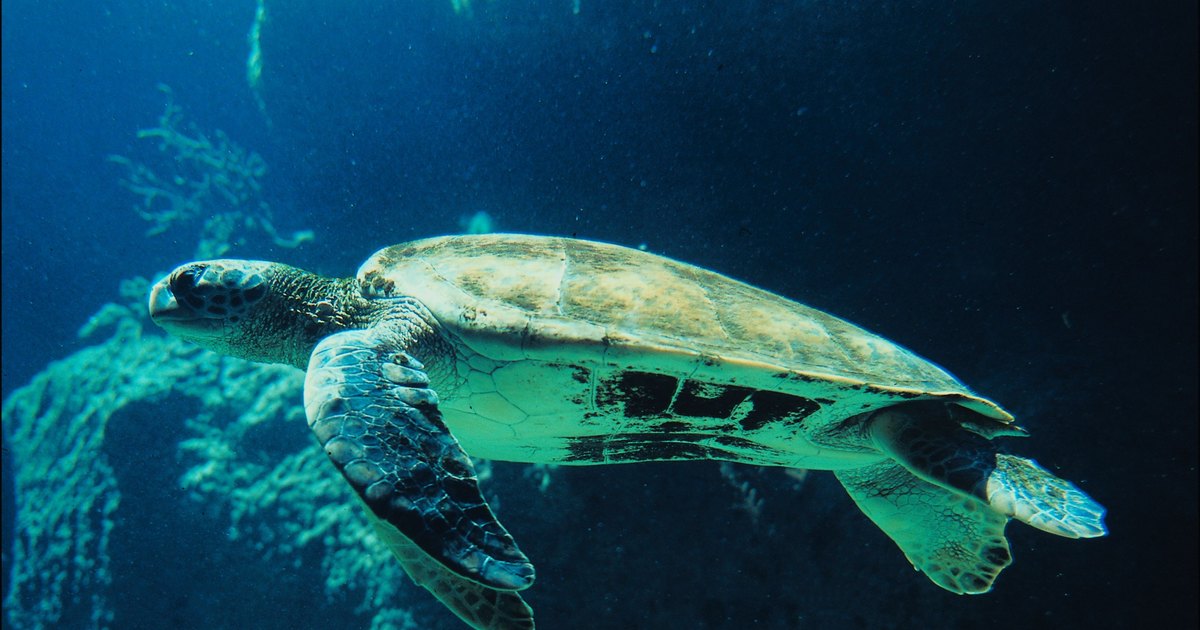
<point>194,179</point>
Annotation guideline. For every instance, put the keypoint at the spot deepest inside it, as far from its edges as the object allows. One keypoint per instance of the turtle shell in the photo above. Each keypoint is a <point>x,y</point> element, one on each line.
<point>623,333</point>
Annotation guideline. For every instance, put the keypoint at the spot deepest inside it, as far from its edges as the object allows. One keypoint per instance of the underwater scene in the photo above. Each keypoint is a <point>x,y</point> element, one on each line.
<point>724,196</point>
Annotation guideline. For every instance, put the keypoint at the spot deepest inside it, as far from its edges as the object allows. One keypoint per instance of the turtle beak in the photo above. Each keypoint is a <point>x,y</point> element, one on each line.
<point>179,318</point>
<point>163,305</point>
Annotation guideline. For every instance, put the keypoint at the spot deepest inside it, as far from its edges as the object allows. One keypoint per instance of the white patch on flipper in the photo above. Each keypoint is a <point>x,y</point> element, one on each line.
<point>1022,489</point>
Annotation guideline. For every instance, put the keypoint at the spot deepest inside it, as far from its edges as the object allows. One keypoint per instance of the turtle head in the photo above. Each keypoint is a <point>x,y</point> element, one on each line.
<point>261,311</point>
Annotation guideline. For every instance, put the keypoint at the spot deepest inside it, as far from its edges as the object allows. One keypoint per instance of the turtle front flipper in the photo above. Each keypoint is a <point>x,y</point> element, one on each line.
<point>481,607</point>
<point>370,406</point>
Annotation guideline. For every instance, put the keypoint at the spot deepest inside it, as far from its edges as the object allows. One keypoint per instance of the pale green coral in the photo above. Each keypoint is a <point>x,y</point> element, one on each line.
<point>254,61</point>
<point>281,507</point>
<point>66,491</point>
<point>478,223</point>
<point>67,494</point>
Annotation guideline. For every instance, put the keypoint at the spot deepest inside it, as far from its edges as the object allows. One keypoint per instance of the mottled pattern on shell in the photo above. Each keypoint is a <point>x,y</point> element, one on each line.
<point>517,296</point>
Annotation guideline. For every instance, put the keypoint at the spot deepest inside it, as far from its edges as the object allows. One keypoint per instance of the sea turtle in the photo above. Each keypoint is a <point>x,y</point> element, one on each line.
<point>556,350</point>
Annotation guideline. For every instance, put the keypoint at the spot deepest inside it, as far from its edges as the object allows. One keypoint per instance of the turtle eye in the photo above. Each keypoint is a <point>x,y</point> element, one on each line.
<point>188,278</point>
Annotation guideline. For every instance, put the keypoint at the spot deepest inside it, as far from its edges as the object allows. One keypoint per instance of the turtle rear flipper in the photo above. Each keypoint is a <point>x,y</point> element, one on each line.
<point>369,404</point>
<point>1029,493</point>
<point>929,443</point>
<point>954,539</point>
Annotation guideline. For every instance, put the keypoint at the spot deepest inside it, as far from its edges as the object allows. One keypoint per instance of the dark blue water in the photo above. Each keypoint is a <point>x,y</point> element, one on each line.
<point>1007,189</point>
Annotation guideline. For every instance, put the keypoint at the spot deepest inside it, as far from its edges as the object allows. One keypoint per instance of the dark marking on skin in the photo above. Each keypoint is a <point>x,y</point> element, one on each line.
<point>376,283</point>
<point>578,373</point>
<point>642,447</point>
<point>998,556</point>
<point>643,394</point>
<point>902,394</point>
<point>825,401</point>
<point>253,294</point>
<point>671,427</point>
<point>740,443</point>
<point>775,407</point>
<point>586,449</point>
<point>696,399</point>
<point>581,375</point>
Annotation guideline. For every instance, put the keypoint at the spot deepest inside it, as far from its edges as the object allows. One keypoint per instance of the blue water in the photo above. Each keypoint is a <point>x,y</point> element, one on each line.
<point>1008,189</point>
